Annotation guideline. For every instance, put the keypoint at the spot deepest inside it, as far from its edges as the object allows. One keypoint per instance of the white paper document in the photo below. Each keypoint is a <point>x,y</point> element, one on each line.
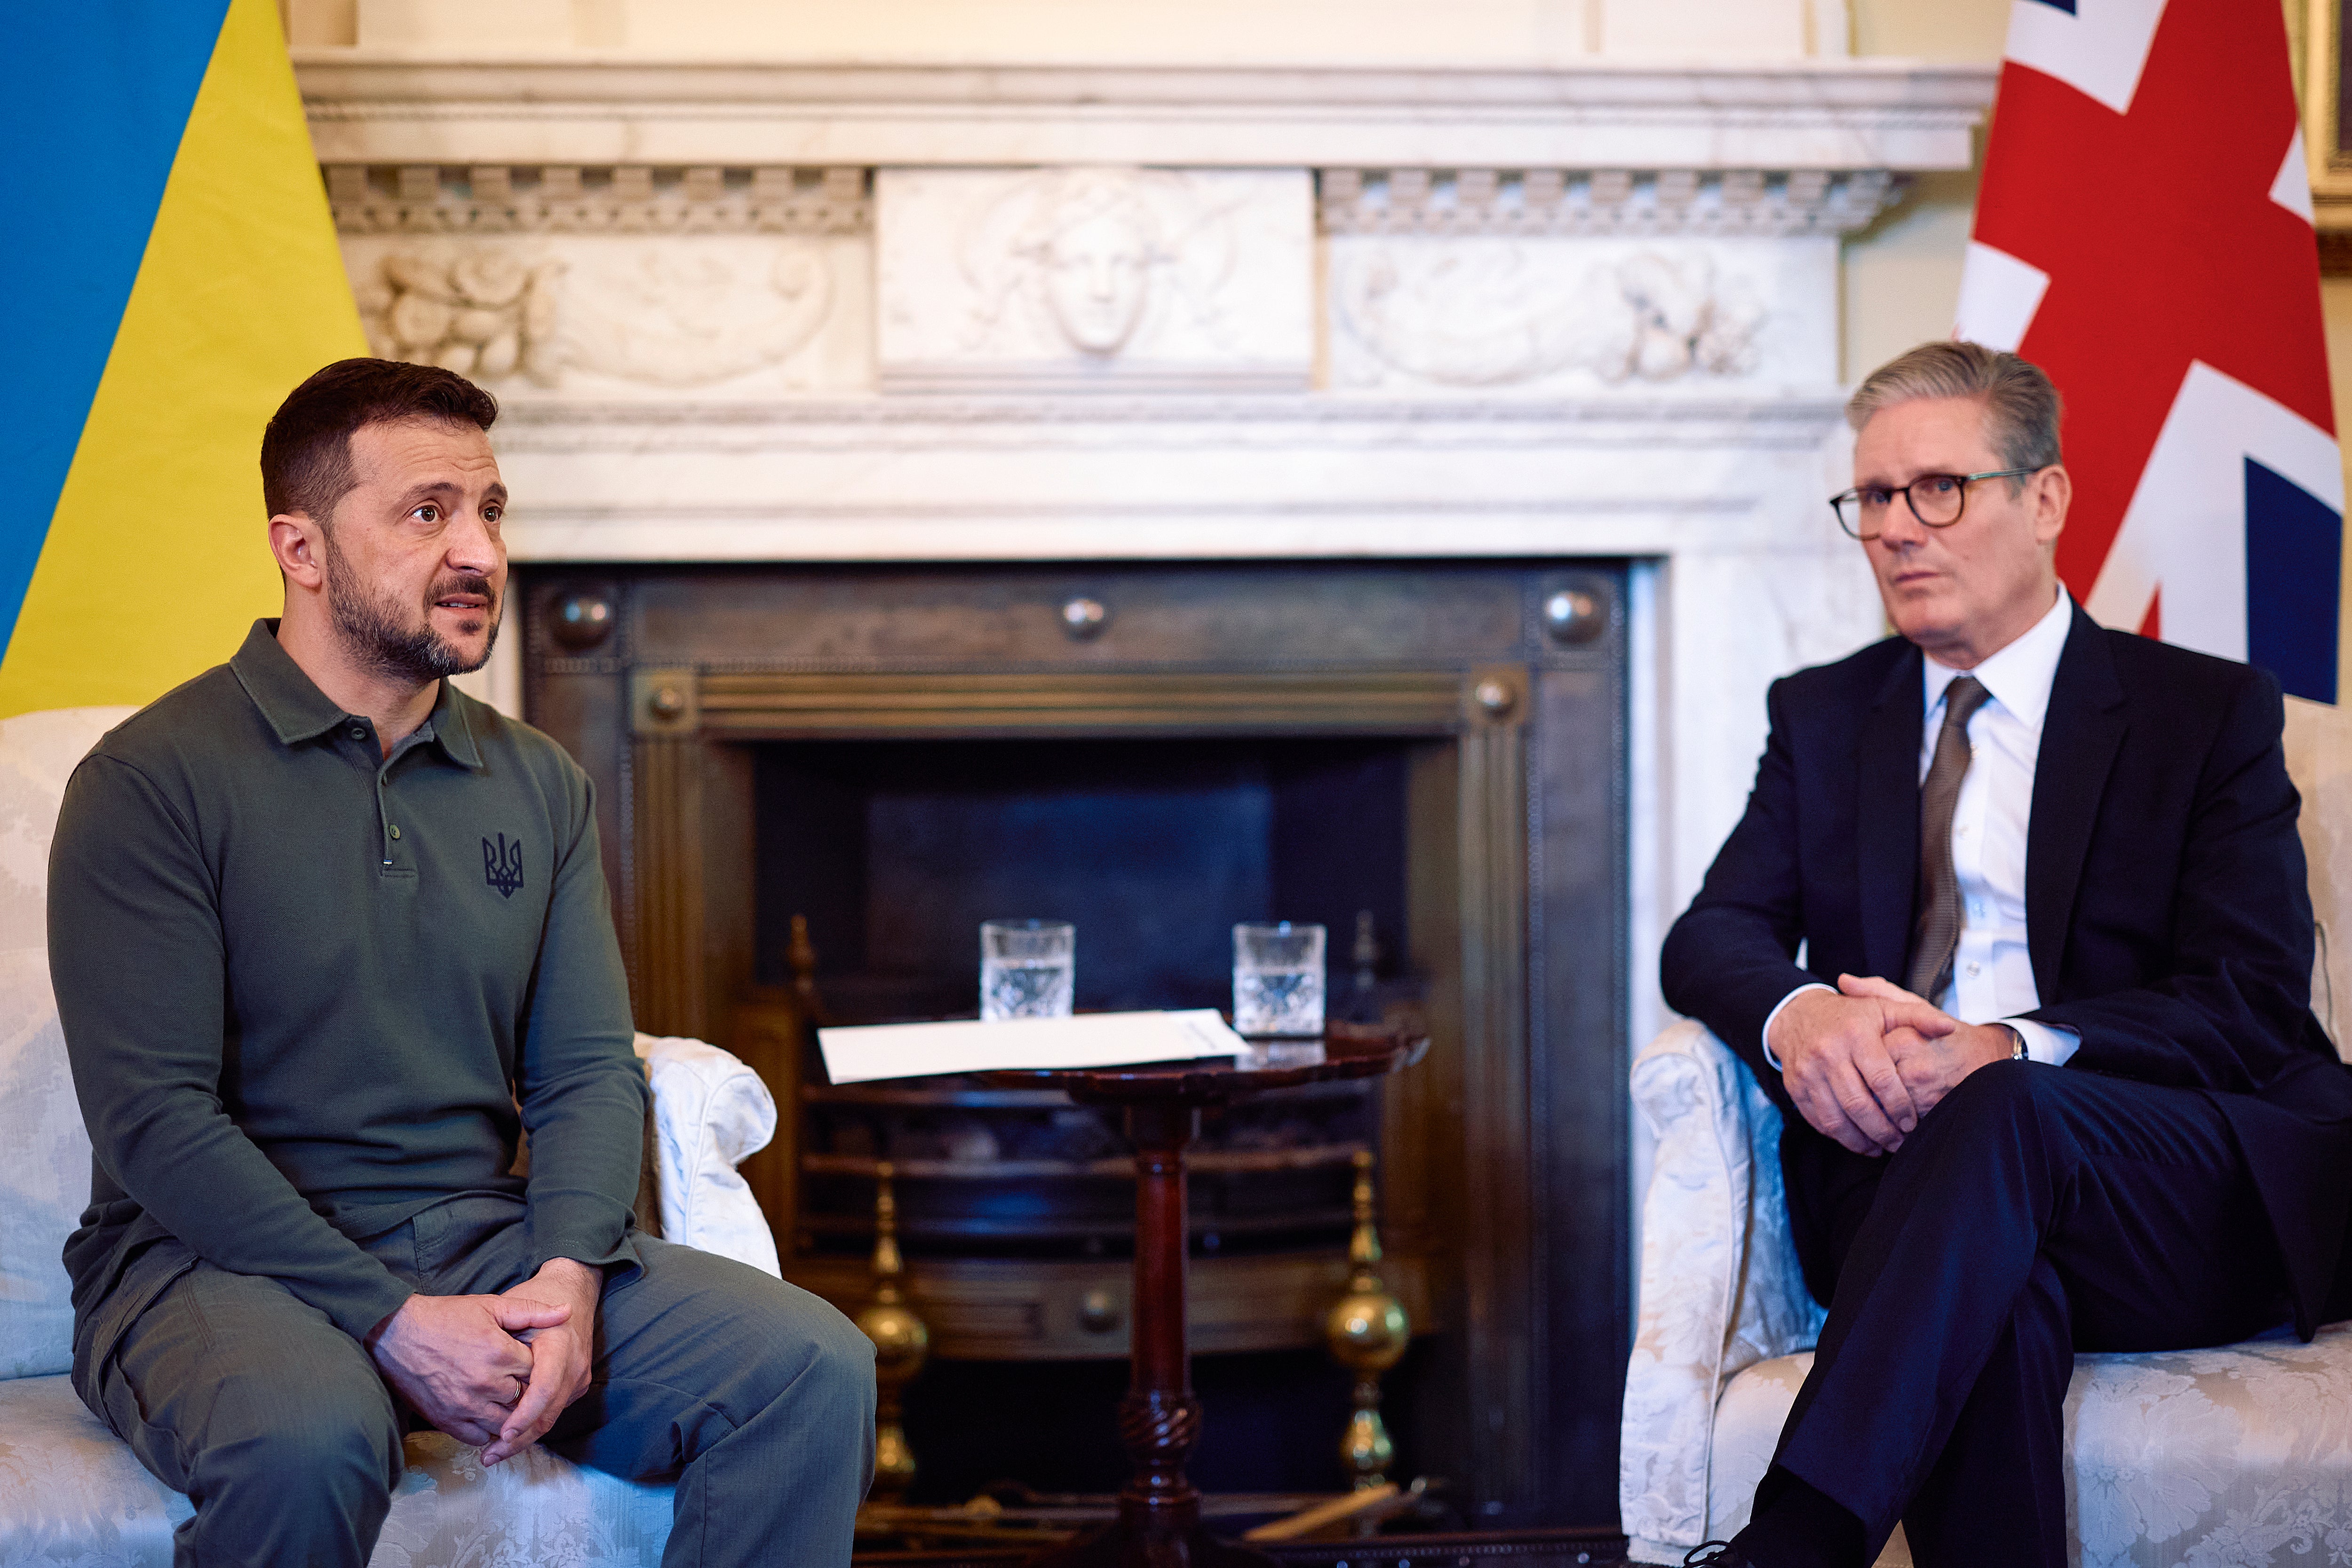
<point>865,1053</point>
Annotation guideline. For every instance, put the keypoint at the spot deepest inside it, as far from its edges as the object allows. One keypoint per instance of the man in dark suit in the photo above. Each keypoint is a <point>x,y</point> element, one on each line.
<point>2049,1073</point>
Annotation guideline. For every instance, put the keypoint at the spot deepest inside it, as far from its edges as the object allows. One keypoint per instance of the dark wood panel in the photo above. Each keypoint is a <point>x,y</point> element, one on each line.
<point>1578,1059</point>
<point>1505,1377</point>
<point>1246,615</point>
<point>801,707</point>
<point>665,778</point>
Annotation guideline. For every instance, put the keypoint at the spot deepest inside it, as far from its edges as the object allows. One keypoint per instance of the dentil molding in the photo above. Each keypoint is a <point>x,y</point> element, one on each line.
<point>1561,203</point>
<point>636,198</point>
<point>393,108</point>
<point>630,198</point>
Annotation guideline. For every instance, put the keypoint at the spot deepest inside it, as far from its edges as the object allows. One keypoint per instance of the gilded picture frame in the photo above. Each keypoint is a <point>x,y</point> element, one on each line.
<point>2317,44</point>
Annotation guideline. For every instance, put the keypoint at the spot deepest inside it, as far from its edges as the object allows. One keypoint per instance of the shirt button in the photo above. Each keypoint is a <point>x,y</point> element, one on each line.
<point>395,833</point>
<point>1962,829</point>
<point>1972,968</point>
<point>358,734</point>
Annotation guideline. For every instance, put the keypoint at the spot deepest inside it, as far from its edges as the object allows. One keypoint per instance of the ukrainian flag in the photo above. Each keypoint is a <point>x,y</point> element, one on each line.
<point>174,275</point>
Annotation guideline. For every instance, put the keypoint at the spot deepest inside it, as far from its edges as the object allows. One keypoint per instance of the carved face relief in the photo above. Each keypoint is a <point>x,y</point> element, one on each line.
<point>1097,277</point>
<point>1093,276</point>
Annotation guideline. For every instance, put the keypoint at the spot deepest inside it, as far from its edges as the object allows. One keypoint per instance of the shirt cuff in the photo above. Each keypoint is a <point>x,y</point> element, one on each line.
<point>1773,1017</point>
<point>579,1231</point>
<point>2045,1044</point>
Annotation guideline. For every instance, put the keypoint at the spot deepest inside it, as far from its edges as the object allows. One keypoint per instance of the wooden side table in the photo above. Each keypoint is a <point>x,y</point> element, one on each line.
<point>1160,1420</point>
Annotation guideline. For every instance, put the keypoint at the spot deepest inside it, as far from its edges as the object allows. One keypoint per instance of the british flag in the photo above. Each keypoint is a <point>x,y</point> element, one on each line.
<point>2144,235</point>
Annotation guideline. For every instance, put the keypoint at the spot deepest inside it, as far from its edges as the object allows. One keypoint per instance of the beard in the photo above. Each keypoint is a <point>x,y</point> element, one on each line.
<point>404,646</point>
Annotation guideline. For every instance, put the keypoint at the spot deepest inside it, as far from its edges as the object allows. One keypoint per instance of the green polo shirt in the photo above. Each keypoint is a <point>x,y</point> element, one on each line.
<point>303,986</point>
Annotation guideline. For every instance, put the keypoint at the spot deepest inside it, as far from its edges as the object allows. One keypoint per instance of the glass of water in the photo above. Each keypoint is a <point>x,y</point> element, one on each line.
<point>1028,968</point>
<point>1278,981</point>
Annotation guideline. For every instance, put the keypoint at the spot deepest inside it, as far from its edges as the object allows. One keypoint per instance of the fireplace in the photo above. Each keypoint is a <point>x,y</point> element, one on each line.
<point>1436,749</point>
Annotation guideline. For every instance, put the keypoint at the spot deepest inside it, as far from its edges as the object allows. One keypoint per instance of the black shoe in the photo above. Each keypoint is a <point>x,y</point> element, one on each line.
<point>1714,1555</point>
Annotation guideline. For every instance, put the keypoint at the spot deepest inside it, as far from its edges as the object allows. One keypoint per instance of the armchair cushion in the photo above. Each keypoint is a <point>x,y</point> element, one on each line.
<point>2236,1455</point>
<point>71,1495</point>
<point>1720,1289</point>
<point>710,1112</point>
<point>2318,740</point>
<point>45,1174</point>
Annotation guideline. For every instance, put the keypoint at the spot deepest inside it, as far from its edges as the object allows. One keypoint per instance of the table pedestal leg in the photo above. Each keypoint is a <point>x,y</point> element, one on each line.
<point>1160,1421</point>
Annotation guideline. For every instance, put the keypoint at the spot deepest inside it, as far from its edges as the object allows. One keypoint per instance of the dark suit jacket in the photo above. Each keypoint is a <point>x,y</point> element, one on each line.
<point>2167,911</point>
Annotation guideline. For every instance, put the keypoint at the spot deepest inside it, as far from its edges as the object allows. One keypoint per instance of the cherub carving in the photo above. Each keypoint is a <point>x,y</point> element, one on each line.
<point>1090,259</point>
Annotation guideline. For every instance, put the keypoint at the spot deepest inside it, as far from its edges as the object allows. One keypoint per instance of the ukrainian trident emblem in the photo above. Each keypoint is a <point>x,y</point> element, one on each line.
<point>502,865</point>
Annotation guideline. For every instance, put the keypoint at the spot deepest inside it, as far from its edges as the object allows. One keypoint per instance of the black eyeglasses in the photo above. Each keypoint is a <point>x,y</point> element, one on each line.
<point>1935,499</point>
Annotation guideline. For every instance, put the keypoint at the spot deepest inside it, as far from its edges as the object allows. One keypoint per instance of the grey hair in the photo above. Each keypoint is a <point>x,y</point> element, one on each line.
<point>2021,407</point>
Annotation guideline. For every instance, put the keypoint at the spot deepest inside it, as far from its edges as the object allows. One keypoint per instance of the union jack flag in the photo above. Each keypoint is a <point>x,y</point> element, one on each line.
<point>2144,235</point>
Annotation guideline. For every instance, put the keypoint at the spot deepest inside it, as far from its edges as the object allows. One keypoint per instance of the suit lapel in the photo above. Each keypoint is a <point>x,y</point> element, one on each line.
<point>2080,733</point>
<point>1886,814</point>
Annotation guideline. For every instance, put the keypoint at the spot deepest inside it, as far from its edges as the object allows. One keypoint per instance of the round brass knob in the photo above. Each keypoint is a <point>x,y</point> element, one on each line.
<point>1099,1310</point>
<point>1366,1329</point>
<point>902,1342</point>
<point>1083,618</point>
<point>667,702</point>
<point>1495,696</point>
<point>1575,615</point>
<point>583,621</point>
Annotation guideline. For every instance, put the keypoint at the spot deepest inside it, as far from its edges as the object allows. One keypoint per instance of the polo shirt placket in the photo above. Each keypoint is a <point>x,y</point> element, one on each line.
<point>397,869</point>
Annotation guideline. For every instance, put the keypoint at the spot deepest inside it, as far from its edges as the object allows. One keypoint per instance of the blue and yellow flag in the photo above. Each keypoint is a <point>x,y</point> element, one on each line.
<point>175,275</point>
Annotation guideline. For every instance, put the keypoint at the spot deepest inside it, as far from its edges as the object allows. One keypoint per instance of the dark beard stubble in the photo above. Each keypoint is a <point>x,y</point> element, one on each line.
<point>371,628</point>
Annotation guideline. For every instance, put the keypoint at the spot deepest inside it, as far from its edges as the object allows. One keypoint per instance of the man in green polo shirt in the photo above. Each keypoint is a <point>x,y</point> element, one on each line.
<point>329,937</point>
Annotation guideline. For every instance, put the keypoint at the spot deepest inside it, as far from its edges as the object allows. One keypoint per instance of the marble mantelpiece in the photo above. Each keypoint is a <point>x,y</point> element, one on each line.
<point>383,105</point>
<point>1590,311</point>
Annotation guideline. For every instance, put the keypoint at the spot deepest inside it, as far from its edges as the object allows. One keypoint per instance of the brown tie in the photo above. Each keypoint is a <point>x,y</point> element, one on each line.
<point>1940,886</point>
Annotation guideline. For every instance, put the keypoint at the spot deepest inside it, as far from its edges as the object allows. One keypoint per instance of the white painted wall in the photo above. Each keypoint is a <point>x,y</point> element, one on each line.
<point>1902,276</point>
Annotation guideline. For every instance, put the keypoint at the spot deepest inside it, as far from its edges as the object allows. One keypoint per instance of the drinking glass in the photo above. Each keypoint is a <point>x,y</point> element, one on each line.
<point>1278,981</point>
<point>1028,968</point>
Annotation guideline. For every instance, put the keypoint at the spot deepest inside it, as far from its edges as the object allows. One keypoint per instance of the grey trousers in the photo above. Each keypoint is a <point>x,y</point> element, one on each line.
<point>756,1396</point>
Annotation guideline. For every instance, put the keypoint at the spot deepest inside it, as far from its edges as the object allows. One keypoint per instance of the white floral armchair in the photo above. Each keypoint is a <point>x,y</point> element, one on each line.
<point>2239,1456</point>
<point>70,1493</point>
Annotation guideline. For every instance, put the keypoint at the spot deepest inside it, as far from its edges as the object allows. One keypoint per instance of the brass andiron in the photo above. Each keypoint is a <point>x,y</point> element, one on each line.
<point>1368,1331</point>
<point>901,1342</point>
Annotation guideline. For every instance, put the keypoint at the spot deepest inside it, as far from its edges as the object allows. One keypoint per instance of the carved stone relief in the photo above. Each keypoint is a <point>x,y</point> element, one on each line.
<point>484,313</point>
<point>1503,314</point>
<point>598,314</point>
<point>1123,276</point>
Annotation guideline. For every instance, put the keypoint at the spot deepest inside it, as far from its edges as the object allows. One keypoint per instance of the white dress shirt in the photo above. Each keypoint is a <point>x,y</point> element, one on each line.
<point>1992,970</point>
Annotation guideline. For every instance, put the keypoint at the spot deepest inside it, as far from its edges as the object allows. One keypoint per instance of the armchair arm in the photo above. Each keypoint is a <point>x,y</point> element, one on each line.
<point>710,1112</point>
<point>1720,1286</point>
